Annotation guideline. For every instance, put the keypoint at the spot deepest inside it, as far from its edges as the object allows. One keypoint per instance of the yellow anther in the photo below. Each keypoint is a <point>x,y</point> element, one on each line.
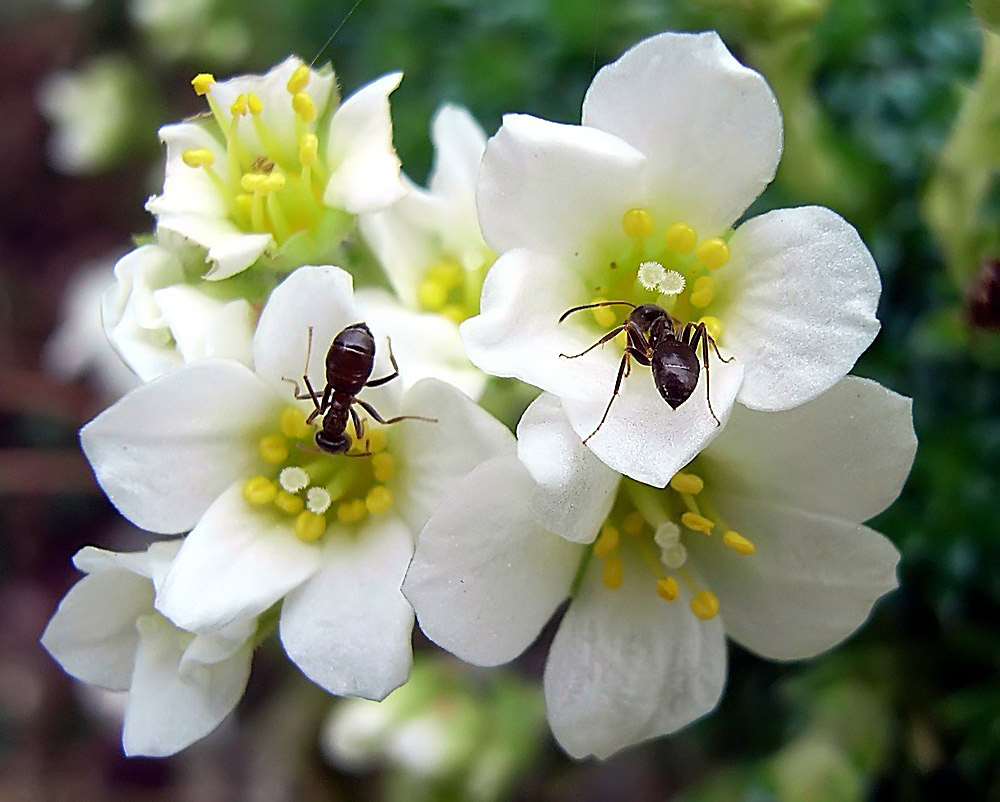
<point>289,502</point>
<point>633,523</point>
<point>308,148</point>
<point>351,512</point>
<point>606,542</point>
<point>713,253</point>
<point>275,182</point>
<point>377,440</point>
<point>378,500</point>
<point>681,238</point>
<point>252,182</point>
<point>254,106</point>
<point>687,483</point>
<point>432,294</point>
<point>703,291</point>
<point>309,526</point>
<point>273,449</point>
<point>667,589</point>
<point>613,573</point>
<point>713,326</point>
<point>304,106</point>
<point>202,82</point>
<point>245,202</point>
<point>447,272</point>
<point>239,106</point>
<point>698,523</point>
<point>705,605</point>
<point>638,223</point>
<point>198,157</point>
<point>455,313</point>
<point>738,543</point>
<point>259,490</point>
<point>293,423</point>
<point>604,315</point>
<point>383,466</point>
<point>298,80</point>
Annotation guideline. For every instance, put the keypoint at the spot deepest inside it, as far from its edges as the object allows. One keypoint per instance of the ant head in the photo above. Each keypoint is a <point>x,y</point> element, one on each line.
<point>337,444</point>
<point>648,314</point>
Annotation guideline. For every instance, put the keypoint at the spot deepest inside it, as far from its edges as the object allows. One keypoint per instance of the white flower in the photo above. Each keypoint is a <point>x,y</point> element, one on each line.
<point>181,685</point>
<point>208,446</point>
<point>773,554</point>
<point>279,167</point>
<point>192,29</point>
<point>677,140</point>
<point>157,317</point>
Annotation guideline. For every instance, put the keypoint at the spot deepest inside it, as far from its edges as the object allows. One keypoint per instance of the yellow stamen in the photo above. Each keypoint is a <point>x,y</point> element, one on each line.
<point>384,467</point>
<point>254,106</point>
<point>309,526</point>
<point>308,148</point>
<point>447,272</point>
<point>378,500</point>
<point>289,502</point>
<point>702,292</point>
<point>633,523</point>
<point>741,545</point>
<point>252,182</point>
<point>454,313</point>
<point>604,315</point>
<point>681,238</point>
<point>273,449</point>
<point>198,157</point>
<point>713,253</point>
<point>304,106</point>
<point>606,542</point>
<point>687,483</point>
<point>637,223</point>
<point>351,512</point>
<point>713,326</point>
<point>698,523</point>
<point>293,423</point>
<point>245,203</point>
<point>259,490</point>
<point>275,182</point>
<point>377,440</point>
<point>298,80</point>
<point>613,573</point>
<point>705,605</point>
<point>202,82</point>
<point>239,106</point>
<point>667,589</point>
<point>432,294</point>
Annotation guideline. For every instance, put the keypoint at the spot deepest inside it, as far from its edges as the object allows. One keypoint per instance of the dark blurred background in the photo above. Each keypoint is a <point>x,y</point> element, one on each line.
<point>892,115</point>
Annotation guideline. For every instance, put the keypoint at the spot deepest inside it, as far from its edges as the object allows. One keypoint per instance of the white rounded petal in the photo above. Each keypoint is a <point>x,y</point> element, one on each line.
<point>556,189</point>
<point>348,627</point>
<point>364,167</point>
<point>846,453</point>
<point>426,345</point>
<point>92,560</point>
<point>237,562</point>
<point>459,142</point>
<point>202,326</point>
<point>804,292</point>
<point>92,634</point>
<point>574,491</point>
<point>189,190</point>
<point>167,711</point>
<point>811,582</point>
<point>485,576</point>
<point>316,297</point>
<point>230,251</point>
<point>167,450</point>
<point>626,665</point>
<point>211,648</point>
<point>642,436</point>
<point>433,456</point>
<point>710,127</point>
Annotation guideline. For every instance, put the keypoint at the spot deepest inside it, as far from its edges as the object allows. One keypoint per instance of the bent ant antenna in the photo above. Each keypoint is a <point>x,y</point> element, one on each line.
<point>336,30</point>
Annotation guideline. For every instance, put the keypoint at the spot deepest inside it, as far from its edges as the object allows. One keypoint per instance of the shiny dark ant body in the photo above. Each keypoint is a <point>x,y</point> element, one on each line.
<point>657,340</point>
<point>349,364</point>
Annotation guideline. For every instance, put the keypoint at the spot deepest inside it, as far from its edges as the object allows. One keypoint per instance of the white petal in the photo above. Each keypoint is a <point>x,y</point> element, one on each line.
<point>805,289</point>
<point>485,577</point>
<point>169,448</point>
<point>203,326</point>
<point>556,189</point>
<point>210,648</point>
<point>811,582</point>
<point>364,166</point>
<point>626,665</point>
<point>166,711</point>
<point>574,490</point>
<point>709,126</point>
<point>846,453</point>
<point>317,297</point>
<point>433,456</point>
<point>189,190</point>
<point>348,628</point>
<point>459,143</point>
<point>237,562</point>
<point>92,560</point>
<point>230,250</point>
<point>92,634</point>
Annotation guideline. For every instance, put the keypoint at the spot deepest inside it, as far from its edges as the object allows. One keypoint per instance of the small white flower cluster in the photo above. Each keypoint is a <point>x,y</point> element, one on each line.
<point>723,494</point>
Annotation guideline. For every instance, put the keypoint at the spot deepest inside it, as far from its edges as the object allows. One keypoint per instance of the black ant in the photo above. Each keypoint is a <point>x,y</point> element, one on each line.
<point>349,364</point>
<point>653,341</point>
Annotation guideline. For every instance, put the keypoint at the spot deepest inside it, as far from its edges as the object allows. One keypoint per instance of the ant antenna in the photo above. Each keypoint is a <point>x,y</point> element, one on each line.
<point>569,312</point>
<point>336,30</point>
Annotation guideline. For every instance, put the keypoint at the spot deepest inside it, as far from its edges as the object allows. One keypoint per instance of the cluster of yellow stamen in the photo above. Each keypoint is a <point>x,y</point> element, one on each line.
<point>451,289</point>
<point>644,519</point>
<point>279,191</point>
<point>309,485</point>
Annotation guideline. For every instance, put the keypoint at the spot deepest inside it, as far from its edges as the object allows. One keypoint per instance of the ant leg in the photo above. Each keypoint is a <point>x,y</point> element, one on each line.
<point>359,427</point>
<point>374,413</point>
<point>623,370</point>
<point>693,334</point>
<point>321,406</point>
<point>711,340</point>
<point>569,312</point>
<point>395,368</point>
<point>609,336</point>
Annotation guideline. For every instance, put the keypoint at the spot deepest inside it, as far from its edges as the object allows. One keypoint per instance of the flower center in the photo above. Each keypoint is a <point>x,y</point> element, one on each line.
<point>451,289</point>
<point>656,524</point>
<point>309,487</point>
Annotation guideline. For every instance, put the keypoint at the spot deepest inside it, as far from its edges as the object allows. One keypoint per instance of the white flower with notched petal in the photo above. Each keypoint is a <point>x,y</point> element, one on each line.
<point>181,685</point>
<point>759,538</point>
<point>279,167</point>
<point>227,451</point>
<point>637,205</point>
